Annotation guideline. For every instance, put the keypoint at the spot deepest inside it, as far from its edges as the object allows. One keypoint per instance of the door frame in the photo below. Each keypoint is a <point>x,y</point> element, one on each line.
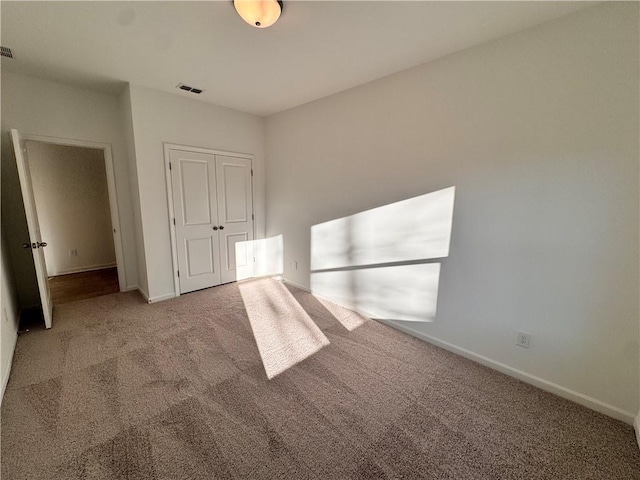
<point>111,188</point>
<point>172,228</point>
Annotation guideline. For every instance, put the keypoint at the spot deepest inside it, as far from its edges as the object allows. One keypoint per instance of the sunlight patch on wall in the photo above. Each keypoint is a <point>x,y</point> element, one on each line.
<point>284,332</point>
<point>415,229</point>
<point>377,261</point>
<point>268,254</point>
<point>405,292</point>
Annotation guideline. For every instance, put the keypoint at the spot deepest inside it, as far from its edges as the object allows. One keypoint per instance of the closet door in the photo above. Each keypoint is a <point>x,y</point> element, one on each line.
<point>235,213</point>
<point>193,180</point>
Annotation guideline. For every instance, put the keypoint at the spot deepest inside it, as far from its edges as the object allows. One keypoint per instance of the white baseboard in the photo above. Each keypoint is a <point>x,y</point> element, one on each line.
<point>161,298</point>
<point>89,268</point>
<point>297,285</point>
<point>546,385</point>
<point>144,295</point>
<point>345,305</point>
<point>130,288</point>
<point>7,369</point>
<point>541,383</point>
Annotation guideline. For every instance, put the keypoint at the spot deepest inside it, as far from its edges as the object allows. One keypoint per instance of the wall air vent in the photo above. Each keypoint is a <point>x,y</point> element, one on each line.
<point>6,52</point>
<point>187,88</point>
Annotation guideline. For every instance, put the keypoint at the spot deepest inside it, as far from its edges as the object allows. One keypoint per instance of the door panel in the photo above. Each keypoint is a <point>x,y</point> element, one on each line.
<point>193,180</point>
<point>235,251</point>
<point>235,211</point>
<point>234,194</point>
<point>200,255</point>
<point>194,176</point>
<point>35,237</point>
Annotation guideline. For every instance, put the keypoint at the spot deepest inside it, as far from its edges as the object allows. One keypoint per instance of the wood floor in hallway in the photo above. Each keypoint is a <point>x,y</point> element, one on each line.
<point>83,285</point>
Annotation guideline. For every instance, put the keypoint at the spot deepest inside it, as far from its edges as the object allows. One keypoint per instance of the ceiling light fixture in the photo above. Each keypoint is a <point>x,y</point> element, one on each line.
<point>259,13</point>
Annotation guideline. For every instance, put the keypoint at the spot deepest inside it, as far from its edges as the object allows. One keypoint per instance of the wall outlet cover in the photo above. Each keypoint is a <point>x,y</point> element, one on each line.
<point>523,340</point>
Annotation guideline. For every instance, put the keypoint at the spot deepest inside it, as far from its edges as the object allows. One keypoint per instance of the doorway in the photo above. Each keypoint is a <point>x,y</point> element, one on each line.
<point>211,215</point>
<point>68,188</point>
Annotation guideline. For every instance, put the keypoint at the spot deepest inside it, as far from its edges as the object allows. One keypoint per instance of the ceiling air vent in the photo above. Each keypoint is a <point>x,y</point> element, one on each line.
<point>6,52</point>
<point>187,88</point>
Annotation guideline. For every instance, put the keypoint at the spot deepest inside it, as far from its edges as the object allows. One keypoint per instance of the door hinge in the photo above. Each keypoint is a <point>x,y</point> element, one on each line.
<point>178,273</point>
<point>174,221</point>
<point>169,165</point>
<point>254,259</point>
<point>252,217</point>
<point>252,172</point>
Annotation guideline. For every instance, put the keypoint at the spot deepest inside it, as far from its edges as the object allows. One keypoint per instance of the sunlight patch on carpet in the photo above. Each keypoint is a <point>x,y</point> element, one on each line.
<point>284,332</point>
<point>348,318</point>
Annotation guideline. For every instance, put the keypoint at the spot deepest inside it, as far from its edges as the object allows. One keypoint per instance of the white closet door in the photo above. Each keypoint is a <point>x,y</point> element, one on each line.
<point>235,213</point>
<point>193,179</point>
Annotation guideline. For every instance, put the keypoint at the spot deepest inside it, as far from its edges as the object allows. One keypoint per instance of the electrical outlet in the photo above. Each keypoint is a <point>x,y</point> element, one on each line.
<point>294,265</point>
<point>73,252</point>
<point>524,340</point>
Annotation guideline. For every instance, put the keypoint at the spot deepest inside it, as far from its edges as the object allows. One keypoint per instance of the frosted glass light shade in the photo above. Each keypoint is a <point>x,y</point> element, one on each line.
<point>259,13</point>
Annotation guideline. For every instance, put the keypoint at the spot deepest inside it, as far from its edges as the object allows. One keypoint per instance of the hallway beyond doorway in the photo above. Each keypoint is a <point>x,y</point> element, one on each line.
<point>80,286</point>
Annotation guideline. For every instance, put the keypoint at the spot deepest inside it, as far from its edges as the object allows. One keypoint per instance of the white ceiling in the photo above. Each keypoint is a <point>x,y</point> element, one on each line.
<point>314,50</point>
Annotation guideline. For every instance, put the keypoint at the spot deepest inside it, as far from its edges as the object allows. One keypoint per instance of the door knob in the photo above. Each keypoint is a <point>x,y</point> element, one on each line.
<point>221,227</point>
<point>43,244</point>
<point>26,245</point>
<point>215,228</point>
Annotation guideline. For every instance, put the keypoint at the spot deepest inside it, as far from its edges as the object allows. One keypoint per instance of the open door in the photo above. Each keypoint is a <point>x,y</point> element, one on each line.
<point>35,239</point>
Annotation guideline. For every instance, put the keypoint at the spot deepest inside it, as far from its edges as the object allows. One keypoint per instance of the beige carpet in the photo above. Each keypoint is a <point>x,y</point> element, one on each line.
<point>119,389</point>
<point>284,331</point>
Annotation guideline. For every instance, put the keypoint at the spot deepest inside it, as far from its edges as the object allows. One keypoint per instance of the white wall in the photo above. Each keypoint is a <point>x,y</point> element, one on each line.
<point>41,107</point>
<point>72,200</point>
<point>10,317</point>
<point>538,132</point>
<point>161,117</point>
<point>127,125</point>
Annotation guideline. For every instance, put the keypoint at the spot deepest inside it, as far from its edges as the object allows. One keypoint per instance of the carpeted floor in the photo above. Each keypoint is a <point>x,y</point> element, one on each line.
<point>119,389</point>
